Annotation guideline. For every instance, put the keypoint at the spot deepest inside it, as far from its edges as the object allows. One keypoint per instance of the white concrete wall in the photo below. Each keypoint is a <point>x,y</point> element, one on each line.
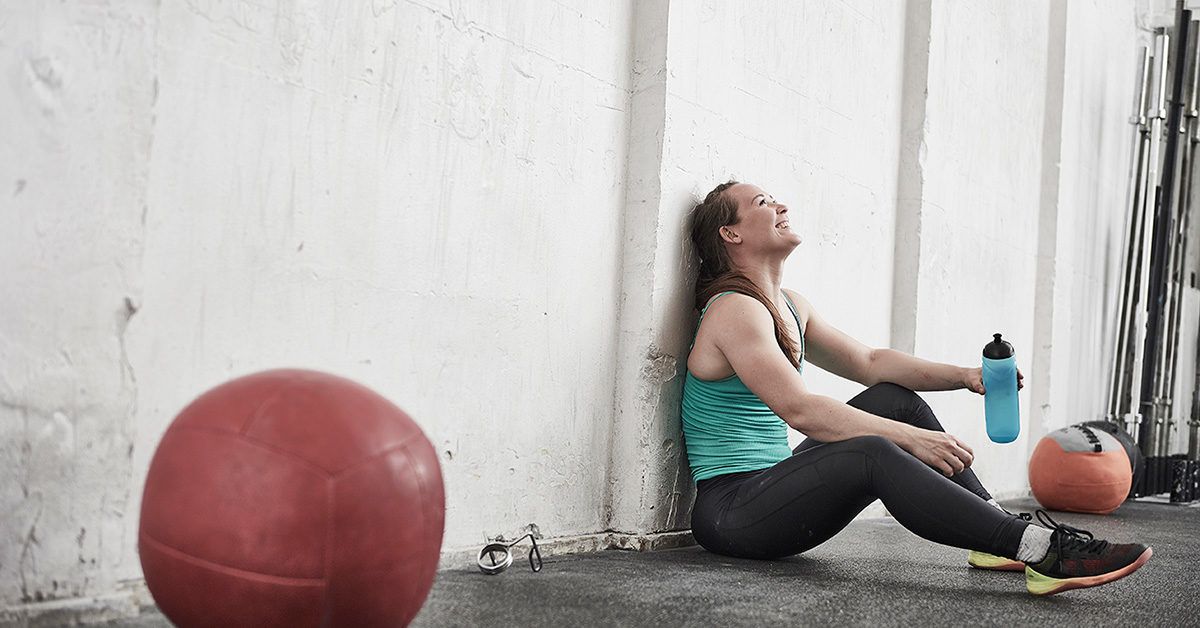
<point>800,99</point>
<point>979,213</point>
<point>477,210</point>
<point>400,194</point>
<point>77,109</point>
<point>1024,163</point>
<point>1091,212</point>
<point>425,197</point>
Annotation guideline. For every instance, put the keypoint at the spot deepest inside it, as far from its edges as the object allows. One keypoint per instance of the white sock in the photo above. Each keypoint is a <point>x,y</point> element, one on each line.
<point>1034,544</point>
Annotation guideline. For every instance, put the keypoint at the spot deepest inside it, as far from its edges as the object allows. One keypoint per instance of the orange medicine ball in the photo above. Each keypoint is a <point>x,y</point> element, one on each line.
<point>1080,469</point>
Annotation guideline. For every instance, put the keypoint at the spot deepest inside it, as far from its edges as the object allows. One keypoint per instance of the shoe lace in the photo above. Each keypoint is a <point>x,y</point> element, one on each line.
<point>1071,538</point>
<point>1021,515</point>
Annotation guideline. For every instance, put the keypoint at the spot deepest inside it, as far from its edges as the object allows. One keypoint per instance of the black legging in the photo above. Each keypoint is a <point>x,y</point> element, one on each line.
<point>807,498</point>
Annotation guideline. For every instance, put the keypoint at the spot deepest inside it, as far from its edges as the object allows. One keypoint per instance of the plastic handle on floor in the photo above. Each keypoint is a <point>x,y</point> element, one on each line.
<point>1000,401</point>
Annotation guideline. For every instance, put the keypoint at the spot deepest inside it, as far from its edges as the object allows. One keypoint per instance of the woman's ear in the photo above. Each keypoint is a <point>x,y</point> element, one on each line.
<point>729,236</point>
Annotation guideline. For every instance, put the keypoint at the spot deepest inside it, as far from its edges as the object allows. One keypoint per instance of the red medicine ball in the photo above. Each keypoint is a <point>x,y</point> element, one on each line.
<point>291,498</point>
<point>1080,469</point>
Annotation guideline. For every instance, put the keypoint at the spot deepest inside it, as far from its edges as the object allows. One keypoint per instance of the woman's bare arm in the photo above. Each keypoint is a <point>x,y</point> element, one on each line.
<point>743,330</point>
<point>913,373</point>
<point>837,352</point>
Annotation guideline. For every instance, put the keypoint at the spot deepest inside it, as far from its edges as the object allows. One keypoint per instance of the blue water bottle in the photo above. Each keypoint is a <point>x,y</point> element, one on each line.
<point>1000,400</point>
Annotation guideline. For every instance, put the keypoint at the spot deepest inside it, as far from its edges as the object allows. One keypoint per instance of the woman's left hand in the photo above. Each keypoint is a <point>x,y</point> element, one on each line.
<point>973,380</point>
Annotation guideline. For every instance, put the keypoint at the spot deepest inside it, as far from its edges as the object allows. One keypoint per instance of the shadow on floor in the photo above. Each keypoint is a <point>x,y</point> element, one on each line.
<point>874,572</point>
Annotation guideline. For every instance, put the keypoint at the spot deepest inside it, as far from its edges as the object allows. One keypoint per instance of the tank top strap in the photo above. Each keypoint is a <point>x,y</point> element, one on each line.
<point>795,314</point>
<point>791,306</point>
<point>710,302</point>
<point>701,319</point>
<point>799,325</point>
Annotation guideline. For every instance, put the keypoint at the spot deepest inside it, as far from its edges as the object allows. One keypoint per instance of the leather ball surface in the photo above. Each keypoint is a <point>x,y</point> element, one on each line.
<point>291,498</point>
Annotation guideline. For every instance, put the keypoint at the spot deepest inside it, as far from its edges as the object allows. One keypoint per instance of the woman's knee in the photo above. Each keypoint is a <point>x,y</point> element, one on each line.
<point>874,446</point>
<point>901,404</point>
<point>882,398</point>
<point>896,393</point>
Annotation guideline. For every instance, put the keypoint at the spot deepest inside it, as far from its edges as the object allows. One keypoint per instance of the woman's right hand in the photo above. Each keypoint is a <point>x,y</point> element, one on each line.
<point>942,451</point>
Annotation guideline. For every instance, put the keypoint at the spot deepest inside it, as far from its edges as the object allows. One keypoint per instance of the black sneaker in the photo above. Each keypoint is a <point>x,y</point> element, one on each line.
<point>1077,560</point>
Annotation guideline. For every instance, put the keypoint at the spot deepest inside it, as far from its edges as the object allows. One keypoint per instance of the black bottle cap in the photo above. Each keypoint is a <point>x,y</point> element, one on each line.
<point>998,349</point>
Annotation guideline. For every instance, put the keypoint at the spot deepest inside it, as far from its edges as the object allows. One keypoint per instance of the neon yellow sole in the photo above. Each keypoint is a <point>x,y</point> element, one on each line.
<point>1039,584</point>
<point>983,560</point>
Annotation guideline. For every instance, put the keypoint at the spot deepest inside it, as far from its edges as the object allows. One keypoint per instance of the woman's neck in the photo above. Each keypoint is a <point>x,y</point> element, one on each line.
<point>766,275</point>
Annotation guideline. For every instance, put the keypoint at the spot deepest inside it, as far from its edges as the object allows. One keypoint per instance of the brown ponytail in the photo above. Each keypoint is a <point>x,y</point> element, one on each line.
<point>717,273</point>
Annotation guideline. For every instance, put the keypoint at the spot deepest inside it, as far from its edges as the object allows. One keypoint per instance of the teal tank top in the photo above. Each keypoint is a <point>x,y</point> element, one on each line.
<point>726,427</point>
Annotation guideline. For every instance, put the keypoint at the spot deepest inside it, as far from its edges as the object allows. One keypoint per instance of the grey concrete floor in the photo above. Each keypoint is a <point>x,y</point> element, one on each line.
<point>874,572</point>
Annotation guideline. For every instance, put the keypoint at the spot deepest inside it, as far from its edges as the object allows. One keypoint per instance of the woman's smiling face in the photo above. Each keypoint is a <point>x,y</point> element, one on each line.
<point>763,223</point>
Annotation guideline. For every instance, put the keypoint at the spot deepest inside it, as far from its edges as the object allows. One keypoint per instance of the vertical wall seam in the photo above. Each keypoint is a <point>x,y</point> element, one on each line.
<point>910,179</point>
<point>640,19</point>
<point>1041,379</point>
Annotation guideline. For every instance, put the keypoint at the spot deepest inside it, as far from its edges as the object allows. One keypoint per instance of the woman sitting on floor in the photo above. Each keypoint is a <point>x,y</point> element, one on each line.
<point>757,498</point>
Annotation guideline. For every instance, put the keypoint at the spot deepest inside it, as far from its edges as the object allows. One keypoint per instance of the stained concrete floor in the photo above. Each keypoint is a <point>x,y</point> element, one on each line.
<point>874,572</point>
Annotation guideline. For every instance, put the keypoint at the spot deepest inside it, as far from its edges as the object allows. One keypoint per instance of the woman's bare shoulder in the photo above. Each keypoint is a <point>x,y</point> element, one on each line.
<point>722,301</point>
<point>731,309</point>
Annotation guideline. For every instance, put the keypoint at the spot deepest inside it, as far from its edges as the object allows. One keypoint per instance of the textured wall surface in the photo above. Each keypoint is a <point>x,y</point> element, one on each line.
<point>1091,211</point>
<point>979,211</point>
<point>802,100</point>
<point>77,106</point>
<point>425,197</point>
<point>478,210</point>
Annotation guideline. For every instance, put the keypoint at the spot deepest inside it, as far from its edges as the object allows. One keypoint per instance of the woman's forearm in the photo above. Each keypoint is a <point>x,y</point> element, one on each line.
<point>913,373</point>
<point>829,421</point>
